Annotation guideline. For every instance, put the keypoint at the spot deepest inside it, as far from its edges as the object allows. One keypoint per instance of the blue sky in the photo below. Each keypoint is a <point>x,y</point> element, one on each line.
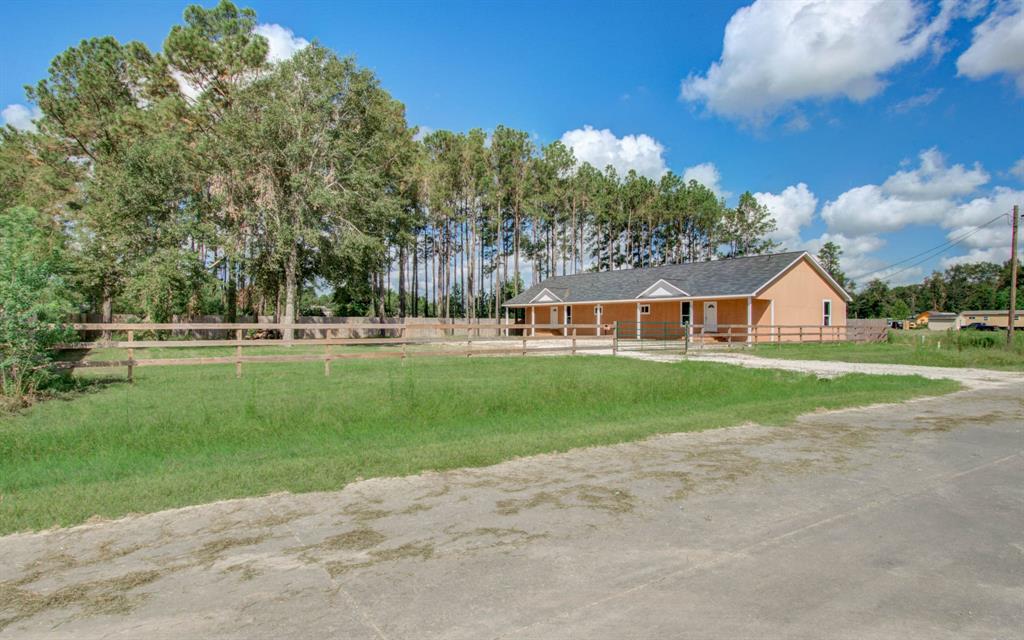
<point>889,127</point>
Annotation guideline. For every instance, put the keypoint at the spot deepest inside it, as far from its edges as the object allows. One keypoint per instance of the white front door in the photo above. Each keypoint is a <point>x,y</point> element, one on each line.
<point>554,315</point>
<point>710,317</point>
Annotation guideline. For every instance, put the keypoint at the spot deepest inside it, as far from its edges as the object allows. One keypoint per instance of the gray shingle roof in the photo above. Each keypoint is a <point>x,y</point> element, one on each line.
<point>735,276</point>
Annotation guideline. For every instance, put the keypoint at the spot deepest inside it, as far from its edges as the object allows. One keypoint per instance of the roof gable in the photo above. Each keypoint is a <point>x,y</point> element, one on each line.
<point>662,289</point>
<point>545,295</point>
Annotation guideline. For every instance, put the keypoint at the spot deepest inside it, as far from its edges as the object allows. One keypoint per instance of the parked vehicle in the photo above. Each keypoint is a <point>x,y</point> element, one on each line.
<point>980,326</point>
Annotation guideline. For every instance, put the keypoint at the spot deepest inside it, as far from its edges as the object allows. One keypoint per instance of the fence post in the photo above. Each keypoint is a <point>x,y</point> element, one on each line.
<point>327,359</point>
<point>574,341</point>
<point>821,334</point>
<point>801,340</point>
<point>131,356</point>
<point>238,354</point>
<point>469,342</point>
<point>686,338</point>
<point>524,344</point>
<point>615,338</point>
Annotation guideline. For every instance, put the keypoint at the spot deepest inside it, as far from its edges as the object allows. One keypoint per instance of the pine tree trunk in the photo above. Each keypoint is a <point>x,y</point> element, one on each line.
<point>290,291</point>
<point>401,281</point>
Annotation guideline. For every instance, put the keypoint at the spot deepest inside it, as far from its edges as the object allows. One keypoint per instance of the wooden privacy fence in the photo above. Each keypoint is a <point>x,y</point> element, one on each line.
<point>468,339</point>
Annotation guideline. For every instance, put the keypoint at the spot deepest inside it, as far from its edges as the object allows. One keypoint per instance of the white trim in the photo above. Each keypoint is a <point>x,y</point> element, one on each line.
<point>540,298</point>
<point>669,291</point>
<point>817,267</point>
<point>740,296</point>
<point>750,318</point>
<point>681,303</point>
<point>533,321</point>
<point>704,323</point>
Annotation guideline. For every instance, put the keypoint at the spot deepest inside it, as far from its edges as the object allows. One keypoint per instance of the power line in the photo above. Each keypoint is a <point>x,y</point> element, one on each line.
<point>930,253</point>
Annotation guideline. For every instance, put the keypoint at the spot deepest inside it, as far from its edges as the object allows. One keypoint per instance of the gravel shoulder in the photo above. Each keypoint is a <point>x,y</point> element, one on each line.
<point>972,378</point>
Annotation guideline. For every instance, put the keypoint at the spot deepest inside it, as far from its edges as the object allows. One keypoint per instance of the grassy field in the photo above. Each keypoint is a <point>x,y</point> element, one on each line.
<point>933,349</point>
<point>188,435</point>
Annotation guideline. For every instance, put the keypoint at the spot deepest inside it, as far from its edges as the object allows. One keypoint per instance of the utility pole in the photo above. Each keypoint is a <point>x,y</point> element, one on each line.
<point>1013,278</point>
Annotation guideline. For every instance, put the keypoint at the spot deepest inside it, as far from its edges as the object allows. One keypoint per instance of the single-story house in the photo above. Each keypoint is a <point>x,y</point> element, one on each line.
<point>993,318</point>
<point>767,290</point>
<point>939,320</point>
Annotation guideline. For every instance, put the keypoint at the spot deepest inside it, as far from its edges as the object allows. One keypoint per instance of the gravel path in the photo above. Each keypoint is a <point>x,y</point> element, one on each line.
<point>973,378</point>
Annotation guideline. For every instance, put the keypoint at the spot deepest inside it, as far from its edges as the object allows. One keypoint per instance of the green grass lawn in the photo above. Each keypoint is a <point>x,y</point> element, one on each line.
<point>188,435</point>
<point>920,347</point>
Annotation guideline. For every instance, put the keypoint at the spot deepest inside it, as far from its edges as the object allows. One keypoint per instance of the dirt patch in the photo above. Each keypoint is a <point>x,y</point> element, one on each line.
<point>355,540</point>
<point>246,571</point>
<point>943,424</point>
<point>584,495</point>
<point>109,596</point>
<point>212,550</point>
<point>423,551</point>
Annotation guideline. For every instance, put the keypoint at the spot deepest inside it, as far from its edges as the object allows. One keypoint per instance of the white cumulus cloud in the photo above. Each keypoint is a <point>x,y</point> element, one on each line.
<point>793,208</point>
<point>600,148</point>
<point>989,243</point>
<point>707,174</point>
<point>933,179</point>
<point>1018,169</point>
<point>923,195</point>
<point>997,45</point>
<point>869,209</point>
<point>282,40</point>
<point>777,53</point>
<point>20,117</point>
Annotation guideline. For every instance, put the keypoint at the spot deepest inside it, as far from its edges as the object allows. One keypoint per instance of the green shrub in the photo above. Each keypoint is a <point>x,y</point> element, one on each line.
<point>33,300</point>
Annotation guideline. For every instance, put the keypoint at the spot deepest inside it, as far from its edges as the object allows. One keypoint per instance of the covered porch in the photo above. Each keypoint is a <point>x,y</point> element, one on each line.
<point>651,319</point>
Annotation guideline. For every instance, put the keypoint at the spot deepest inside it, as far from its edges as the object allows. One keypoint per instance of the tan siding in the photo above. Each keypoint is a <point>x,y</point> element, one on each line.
<point>798,296</point>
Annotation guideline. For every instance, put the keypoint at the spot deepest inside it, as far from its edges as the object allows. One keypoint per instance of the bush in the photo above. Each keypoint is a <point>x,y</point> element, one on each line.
<point>33,300</point>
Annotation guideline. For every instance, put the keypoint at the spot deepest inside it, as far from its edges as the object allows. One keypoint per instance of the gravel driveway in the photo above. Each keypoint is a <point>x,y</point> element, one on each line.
<point>899,521</point>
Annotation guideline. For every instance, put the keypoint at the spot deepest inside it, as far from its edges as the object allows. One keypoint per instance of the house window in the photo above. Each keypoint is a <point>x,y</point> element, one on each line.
<point>645,309</point>
<point>972,317</point>
<point>826,313</point>
<point>568,314</point>
<point>684,313</point>
<point>598,310</point>
<point>985,318</point>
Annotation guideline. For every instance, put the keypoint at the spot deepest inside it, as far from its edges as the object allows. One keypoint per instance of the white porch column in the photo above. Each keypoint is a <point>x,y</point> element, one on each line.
<point>506,322</point>
<point>533,321</point>
<point>638,321</point>
<point>750,319</point>
<point>565,320</point>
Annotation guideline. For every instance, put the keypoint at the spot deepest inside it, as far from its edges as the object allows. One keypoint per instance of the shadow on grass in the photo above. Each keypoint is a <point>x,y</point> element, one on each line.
<point>62,386</point>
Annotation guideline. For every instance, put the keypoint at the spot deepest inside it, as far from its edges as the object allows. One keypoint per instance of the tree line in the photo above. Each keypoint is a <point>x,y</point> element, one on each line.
<point>961,287</point>
<point>205,178</point>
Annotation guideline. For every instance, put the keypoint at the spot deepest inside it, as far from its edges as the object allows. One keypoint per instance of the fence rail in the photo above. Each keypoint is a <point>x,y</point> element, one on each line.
<point>670,335</point>
<point>450,339</point>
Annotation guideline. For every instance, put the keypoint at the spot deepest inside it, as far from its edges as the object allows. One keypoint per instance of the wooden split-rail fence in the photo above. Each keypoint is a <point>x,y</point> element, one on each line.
<point>407,340</point>
<point>452,339</point>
